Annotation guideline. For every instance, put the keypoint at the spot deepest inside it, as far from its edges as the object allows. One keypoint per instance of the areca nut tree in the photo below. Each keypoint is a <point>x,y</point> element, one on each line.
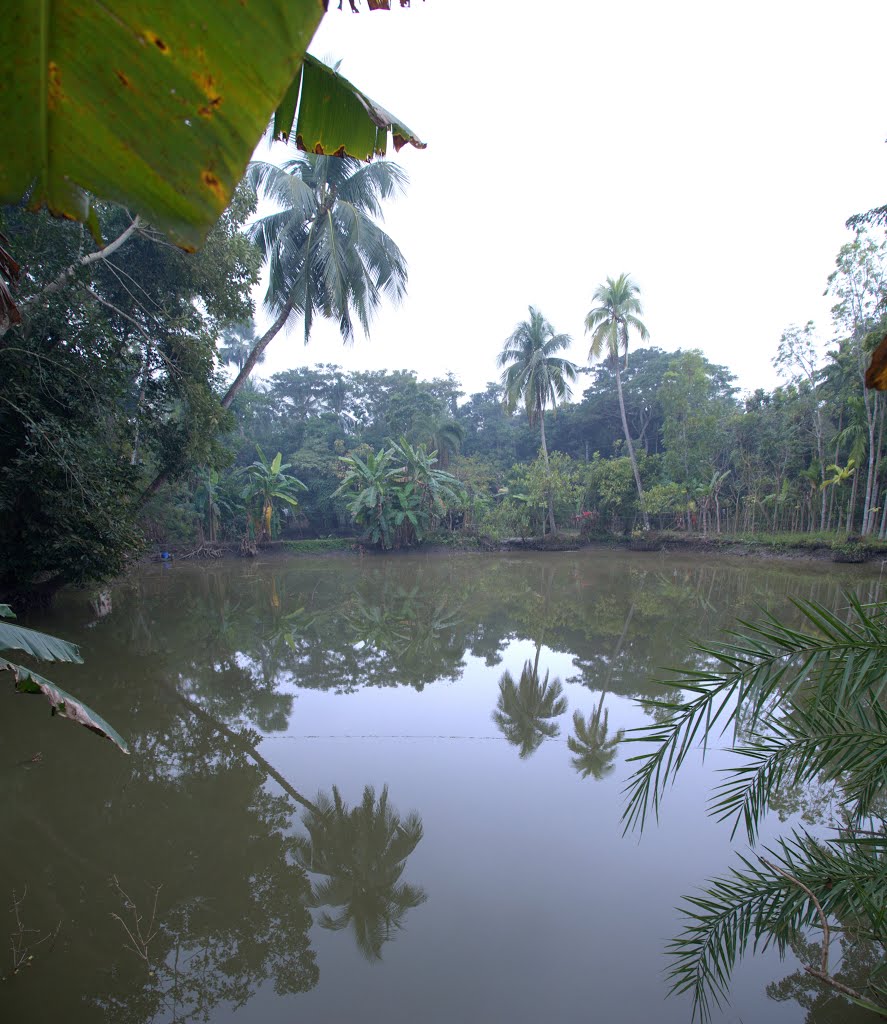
<point>325,253</point>
<point>617,312</point>
<point>533,374</point>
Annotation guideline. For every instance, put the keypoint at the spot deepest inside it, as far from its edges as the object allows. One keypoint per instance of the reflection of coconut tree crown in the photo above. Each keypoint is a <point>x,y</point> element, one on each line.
<point>523,710</point>
<point>362,852</point>
<point>595,750</point>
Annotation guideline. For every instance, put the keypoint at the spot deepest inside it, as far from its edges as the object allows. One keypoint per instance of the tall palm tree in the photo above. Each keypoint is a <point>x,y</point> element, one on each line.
<point>594,747</point>
<point>324,251</point>
<point>535,375</point>
<point>618,310</point>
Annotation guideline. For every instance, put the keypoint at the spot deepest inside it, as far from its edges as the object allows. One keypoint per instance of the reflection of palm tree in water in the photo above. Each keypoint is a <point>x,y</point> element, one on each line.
<point>595,750</point>
<point>362,852</point>
<point>524,710</point>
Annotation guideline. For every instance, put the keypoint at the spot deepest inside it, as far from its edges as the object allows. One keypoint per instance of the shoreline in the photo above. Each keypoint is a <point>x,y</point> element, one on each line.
<point>791,549</point>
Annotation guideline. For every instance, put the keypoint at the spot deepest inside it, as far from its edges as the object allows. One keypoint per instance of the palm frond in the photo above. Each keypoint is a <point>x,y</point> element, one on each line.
<point>845,663</point>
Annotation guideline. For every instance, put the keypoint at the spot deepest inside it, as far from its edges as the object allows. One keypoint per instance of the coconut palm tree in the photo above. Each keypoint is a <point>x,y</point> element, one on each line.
<point>617,312</point>
<point>534,375</point>
<point>362,853</point>
<point>323,249</point>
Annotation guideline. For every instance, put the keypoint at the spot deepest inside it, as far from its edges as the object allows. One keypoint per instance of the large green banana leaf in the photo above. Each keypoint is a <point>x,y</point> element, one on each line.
<point>49,648</point>
<point>158,104</point>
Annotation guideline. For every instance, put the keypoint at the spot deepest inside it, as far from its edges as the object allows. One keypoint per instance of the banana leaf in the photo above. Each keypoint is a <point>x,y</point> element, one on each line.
<point>158,105</point>
<point>62,703</point>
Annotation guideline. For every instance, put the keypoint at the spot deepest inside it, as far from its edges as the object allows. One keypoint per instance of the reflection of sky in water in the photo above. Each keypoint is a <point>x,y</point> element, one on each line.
<point>538,909</point>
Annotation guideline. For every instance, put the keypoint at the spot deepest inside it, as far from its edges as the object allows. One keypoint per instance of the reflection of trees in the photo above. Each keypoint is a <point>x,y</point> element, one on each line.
<point>231,635</point>
<point>415,631</point>
<point>197,807</point>
<point>862,962</point>
<point>594,748</point>
<point>362,852</point>
<point>524,710</point>
<point>189,819</point>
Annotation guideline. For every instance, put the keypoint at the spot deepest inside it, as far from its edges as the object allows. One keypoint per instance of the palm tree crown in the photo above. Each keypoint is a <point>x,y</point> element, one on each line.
<point>533,373</point>
<point>618,310</point>
<point>324,250</point>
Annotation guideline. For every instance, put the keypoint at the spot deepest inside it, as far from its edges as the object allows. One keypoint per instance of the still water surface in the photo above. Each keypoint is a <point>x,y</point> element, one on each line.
<point>351,795</point>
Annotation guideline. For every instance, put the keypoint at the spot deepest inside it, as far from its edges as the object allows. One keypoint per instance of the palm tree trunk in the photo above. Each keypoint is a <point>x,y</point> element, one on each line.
<point>257,349</point>
<point>630,446</point>
<point>851,507</point>
<point>551,524</point>
<point>240,742</point>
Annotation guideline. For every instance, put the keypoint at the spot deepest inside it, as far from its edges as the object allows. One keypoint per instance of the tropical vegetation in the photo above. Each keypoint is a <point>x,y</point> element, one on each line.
<point>803,705</point>
<point>185,101</point>
<point>618,310</point>
<point>43,647</point>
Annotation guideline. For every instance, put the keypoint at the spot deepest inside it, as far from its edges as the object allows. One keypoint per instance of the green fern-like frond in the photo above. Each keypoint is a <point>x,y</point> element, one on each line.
<point>837,663</point>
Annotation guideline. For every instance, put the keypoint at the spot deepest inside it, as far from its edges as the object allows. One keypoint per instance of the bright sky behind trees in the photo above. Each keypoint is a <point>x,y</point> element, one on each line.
<point>713,151</point>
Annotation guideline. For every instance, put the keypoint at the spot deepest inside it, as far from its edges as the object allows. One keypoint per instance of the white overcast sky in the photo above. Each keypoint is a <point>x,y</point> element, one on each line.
<point>713,150</point>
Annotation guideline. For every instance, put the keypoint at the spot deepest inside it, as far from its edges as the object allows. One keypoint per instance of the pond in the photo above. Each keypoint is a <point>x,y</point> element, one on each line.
<point>356,791</point>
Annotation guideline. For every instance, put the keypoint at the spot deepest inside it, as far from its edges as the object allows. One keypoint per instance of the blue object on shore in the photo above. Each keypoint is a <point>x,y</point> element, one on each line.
<point>164,555</point>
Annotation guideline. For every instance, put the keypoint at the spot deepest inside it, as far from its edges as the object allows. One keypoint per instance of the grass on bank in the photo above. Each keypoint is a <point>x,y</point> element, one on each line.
<point>320,544</point>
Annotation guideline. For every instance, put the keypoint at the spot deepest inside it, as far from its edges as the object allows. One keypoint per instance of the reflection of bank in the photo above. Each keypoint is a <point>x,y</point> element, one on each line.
<point>361,853</point>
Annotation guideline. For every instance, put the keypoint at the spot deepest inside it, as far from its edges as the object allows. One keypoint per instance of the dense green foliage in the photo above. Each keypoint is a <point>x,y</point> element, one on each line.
<point>114,428</point>
<point>110,379</point>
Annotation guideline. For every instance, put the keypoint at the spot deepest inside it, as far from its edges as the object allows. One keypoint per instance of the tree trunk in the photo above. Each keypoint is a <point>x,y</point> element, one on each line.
<point>240,742</point>
<point>851,507</point>
<point>551,523</point>
<point>257,349</point>
<point>630,446</point>
<point>870,474</point>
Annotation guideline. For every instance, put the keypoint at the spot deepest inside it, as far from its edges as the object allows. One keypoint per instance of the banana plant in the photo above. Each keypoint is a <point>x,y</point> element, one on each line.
<point>267,483</point>
<point>370,482</point>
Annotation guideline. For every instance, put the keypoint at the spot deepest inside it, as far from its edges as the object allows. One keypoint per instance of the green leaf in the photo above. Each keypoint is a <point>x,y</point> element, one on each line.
<point>38,645</point>
<point>62,702</point>
<point>159,105</point>
<point>335,117</point>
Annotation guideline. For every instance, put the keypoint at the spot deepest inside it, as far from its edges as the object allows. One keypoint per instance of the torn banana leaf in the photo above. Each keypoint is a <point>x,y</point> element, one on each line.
<point>62,703</point>
<point>158,105</point>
